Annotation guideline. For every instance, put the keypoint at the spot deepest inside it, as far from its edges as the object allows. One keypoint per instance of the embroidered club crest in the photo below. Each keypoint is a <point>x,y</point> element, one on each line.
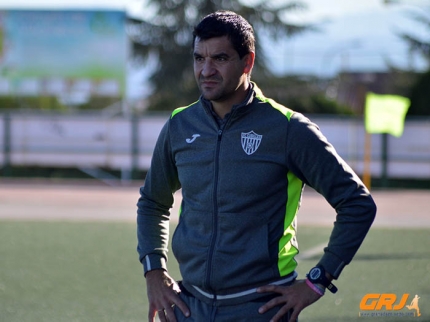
<point>250,142</point>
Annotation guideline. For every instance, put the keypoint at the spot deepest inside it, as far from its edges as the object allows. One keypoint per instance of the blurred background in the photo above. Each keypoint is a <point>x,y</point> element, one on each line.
<point>85,86</point>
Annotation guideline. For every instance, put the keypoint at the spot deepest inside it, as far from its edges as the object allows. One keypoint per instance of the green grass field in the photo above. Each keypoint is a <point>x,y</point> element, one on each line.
<point>55,272</point>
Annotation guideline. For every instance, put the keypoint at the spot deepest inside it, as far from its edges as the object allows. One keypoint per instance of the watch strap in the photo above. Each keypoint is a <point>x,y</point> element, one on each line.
<point>317,276</point>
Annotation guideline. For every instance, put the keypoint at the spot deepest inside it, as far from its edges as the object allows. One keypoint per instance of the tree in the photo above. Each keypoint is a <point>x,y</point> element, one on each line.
<point>303,94</point>
<point>416,44</point>
<point>168,35</point>
<point>420,100</point>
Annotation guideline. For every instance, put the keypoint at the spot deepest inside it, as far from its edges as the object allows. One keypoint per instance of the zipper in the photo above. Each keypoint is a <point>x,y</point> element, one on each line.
<point>215,212</point>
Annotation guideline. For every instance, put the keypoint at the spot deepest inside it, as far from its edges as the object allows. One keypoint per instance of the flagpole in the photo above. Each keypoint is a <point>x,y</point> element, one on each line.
<point>384,159</point>
<point>367,180</point>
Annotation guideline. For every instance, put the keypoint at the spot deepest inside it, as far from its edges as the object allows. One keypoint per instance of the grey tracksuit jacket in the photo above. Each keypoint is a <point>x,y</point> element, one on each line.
<point>241,187</point>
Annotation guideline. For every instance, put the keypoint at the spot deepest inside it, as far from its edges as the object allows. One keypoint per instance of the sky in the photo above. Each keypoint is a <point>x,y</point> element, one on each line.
<point>353,35</point>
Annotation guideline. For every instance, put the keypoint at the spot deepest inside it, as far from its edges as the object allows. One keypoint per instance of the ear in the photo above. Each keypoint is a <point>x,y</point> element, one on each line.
<point>249,62</point>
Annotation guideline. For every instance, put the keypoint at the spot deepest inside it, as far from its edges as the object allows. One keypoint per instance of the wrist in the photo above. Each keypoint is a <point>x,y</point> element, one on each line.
<point>319,289</point>
<point>318,276</point>
<point>155,273</point>
<point>153,262</point>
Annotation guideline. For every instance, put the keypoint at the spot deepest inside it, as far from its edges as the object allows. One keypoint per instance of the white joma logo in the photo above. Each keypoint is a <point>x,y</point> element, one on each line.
<point>193,138</point>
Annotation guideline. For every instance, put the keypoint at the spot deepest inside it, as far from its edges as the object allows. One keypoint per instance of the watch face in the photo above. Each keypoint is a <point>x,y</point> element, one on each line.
<point>315,273</point>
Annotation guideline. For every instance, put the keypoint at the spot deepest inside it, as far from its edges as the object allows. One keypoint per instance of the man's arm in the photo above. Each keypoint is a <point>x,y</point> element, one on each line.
<point>154,204</point>
<point>156,199</point>
<point>315,161</point>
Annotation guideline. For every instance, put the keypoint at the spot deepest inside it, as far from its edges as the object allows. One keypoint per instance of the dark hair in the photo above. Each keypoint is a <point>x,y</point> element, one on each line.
<point>230,24</point>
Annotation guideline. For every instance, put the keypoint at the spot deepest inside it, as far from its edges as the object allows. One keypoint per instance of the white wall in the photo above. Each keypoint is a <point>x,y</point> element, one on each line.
<point>92,141</point>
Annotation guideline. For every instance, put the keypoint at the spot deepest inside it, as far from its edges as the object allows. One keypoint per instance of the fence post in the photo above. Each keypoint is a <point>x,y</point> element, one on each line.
<point>134,145</point>
<point>7,144</point>
<point>384,159</point>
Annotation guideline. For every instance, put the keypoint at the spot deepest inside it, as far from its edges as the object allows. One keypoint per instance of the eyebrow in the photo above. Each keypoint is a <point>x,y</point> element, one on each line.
<point>220,55</point>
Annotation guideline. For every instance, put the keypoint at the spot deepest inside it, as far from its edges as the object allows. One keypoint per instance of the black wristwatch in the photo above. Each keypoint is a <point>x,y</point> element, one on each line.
<point>317,276</point>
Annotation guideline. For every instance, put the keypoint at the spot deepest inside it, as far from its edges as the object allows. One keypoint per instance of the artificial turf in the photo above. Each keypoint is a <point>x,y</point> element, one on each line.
<point>69,271</point>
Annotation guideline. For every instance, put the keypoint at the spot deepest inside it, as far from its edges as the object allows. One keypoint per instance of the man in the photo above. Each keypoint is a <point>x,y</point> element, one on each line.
<point>242,161</point>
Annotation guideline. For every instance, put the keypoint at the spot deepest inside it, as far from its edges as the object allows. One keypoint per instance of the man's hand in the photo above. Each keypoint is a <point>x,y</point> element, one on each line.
<point>295,297</point>
<point>163,296</point>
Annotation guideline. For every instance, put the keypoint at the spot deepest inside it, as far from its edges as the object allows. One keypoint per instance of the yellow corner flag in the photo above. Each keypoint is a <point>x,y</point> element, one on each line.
<point>385,113</point>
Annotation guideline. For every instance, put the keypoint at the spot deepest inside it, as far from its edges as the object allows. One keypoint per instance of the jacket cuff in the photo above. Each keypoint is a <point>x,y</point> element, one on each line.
<point>153,261</point>
<point>332,264</point>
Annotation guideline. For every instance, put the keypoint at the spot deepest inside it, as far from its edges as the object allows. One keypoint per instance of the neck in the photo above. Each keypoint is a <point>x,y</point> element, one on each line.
<point>222,108</point>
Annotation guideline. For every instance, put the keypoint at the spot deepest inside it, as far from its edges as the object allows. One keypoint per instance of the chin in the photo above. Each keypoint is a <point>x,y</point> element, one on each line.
<point>210,97</point>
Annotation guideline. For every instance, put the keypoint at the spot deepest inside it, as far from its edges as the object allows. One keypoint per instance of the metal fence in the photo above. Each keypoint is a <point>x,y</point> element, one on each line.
<point>91,141</point>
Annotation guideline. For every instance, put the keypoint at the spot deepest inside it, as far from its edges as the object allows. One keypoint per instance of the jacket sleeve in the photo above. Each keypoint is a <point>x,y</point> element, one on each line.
<point>156,199</point>
<point>315,161</point>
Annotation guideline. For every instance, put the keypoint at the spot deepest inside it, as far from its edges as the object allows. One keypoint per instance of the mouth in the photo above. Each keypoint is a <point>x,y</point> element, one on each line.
<point>209,82</point>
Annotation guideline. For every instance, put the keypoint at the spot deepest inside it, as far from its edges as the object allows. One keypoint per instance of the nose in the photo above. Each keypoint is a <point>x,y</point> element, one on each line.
<point>207,68</point>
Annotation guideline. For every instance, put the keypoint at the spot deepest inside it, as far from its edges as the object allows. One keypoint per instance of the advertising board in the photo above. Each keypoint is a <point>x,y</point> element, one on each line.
<point>63,52</point>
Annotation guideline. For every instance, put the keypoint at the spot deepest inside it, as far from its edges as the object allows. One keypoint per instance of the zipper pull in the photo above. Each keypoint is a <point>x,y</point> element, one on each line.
<point>219,134</point>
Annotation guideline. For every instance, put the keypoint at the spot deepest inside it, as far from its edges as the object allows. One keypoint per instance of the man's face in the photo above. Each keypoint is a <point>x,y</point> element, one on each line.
<point>219,71</point>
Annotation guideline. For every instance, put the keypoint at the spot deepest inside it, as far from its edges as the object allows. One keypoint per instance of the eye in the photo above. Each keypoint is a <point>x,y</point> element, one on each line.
<point>198,58</point>
<point>221,58</point>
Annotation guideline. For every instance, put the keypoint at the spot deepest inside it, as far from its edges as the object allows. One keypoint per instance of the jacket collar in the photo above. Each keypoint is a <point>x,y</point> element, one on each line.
<point>253,92</point>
